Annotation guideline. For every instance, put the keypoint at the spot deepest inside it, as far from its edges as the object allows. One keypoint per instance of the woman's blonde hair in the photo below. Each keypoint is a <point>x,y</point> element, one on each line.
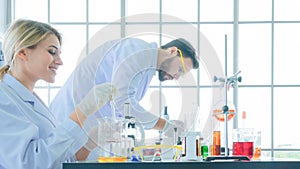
<point>24,34</point>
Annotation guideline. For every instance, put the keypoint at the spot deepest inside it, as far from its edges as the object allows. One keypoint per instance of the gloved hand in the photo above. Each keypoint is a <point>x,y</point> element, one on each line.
<point>168,129</point>
<point>96,98</point>
<point>92,142</point>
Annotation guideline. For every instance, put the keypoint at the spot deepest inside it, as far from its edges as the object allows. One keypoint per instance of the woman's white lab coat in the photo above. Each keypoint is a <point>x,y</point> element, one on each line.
<point>29,135</point>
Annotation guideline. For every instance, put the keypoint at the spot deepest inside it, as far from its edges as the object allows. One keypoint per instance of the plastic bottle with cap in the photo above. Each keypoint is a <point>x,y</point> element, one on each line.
<point>204,151</point>
<point>243,120</point>
<point>166,115</point>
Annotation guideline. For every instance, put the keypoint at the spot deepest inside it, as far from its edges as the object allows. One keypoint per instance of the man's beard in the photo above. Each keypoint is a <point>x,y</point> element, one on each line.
<point>161,75</point>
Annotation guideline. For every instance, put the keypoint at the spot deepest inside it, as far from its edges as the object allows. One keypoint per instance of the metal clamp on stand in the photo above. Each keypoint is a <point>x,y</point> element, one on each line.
<point>231,81</point>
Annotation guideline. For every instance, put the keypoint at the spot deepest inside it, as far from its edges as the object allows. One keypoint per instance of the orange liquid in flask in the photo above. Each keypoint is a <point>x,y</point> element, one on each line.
<point>218,113</point>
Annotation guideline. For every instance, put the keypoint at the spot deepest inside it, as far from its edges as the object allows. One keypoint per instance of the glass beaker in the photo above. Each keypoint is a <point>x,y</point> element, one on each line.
<point>111,140</point>
<point>243,141</point>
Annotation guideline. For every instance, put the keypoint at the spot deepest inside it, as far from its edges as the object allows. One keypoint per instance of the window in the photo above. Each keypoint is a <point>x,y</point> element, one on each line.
<point>264,48</point>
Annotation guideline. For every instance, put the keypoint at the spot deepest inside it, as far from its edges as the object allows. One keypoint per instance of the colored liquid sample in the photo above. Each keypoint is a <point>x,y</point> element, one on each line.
<point>218,113</point>
<point>204,151</point>
<point>111,159</point>
<point>243,148</point>
<point>257,153</point>
<point>217,143</point>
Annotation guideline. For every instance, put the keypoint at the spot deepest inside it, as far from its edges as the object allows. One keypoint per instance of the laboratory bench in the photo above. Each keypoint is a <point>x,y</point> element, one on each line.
<point>263,164</point>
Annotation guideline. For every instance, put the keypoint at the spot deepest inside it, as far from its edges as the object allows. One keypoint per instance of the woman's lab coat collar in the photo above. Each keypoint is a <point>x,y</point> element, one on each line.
<point>27,96</point>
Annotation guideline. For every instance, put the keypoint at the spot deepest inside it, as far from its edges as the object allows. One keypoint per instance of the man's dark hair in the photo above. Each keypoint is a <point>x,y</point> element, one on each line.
<point>186,48</point>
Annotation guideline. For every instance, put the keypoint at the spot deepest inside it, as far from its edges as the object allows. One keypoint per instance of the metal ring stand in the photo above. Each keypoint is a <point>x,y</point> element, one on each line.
<point>225,110</point>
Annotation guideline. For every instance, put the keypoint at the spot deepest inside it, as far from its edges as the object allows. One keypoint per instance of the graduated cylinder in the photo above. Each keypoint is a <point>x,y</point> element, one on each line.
<point>216,147</point>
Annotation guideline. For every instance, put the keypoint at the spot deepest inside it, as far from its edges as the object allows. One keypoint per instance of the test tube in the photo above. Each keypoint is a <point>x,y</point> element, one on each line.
<point>198,151</point>
<point>175,136</point>
<point>127,113</point>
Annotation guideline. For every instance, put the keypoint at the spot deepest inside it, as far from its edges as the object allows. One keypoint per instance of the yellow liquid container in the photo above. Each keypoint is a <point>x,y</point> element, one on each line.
<point>111,159</point>
<point>112,145</point>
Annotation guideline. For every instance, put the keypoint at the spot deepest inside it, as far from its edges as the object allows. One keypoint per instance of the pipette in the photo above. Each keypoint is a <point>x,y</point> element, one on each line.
<point>113,106</point>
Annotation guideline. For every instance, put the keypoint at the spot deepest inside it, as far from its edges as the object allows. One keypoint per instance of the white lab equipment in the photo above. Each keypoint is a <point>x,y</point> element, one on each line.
<point>191,148</point>
<point>134,129</point>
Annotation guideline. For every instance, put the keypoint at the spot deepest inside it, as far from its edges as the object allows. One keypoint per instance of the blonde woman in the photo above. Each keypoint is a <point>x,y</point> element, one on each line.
<point>29,134</point>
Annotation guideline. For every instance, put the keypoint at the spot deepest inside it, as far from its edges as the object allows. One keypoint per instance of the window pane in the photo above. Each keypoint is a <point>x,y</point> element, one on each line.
<point>147,32</point>
<point>286,117</point>
<point>135,7</point>
<point>286,10</point>
<point>142,18</point>
<point>255,53</point>
<point>205,106</point>
<point>155,81</point>
<point>181,9</point>
<point>99,34</point>
<point>53,93</point>
<point>257,104</point>
<point>104,11</point>
<point>151,100</point>
<point>32,9</point>
<point>71,49</point>
<point>205,78</point>
<point>283,154</point>
<point>173,31</point>
<point>43,94</point>
<point>67,11</point>
<point>216,10</point>
<point>263,10</point>
<point>41,83</point>
<point>286,53</point>
<point>182,104</point>
<point>215,34</point>
<point>173,101</point>
<point>105,32</point>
